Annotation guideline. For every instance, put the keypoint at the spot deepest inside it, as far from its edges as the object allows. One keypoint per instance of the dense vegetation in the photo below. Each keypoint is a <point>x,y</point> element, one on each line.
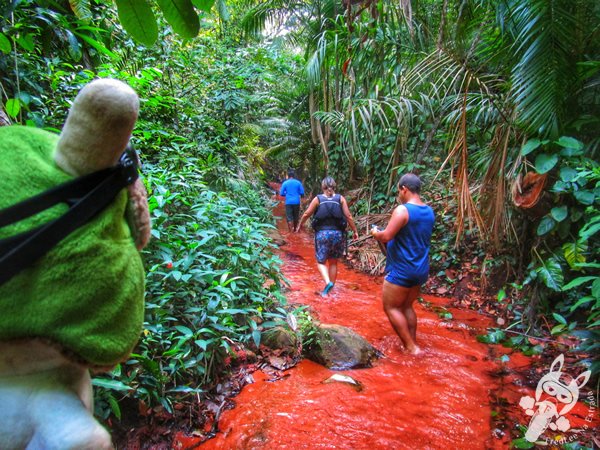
<point>472,94</point>
<point>211,269</point>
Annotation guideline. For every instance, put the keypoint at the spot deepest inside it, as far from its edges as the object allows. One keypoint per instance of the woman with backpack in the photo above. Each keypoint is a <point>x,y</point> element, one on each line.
<point>331,216</point>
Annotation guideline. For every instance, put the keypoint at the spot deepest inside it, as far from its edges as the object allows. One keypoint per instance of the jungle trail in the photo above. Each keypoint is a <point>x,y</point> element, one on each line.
<point>456,394</point>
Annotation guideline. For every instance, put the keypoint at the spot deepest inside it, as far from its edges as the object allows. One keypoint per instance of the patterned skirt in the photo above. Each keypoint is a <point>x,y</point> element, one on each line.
<point>329,244</point>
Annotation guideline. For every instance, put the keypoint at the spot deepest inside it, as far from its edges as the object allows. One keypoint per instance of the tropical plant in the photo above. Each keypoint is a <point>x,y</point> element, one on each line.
<point>567,262</point>
<point>206,290</point>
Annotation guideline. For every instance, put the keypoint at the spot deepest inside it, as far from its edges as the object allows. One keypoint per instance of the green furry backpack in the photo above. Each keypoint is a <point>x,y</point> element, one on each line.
<point>85,296</point>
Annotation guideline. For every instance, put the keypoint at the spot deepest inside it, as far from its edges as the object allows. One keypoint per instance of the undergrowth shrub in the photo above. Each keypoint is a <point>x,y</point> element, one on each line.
<point>562,285</point>
<point>211,277</point>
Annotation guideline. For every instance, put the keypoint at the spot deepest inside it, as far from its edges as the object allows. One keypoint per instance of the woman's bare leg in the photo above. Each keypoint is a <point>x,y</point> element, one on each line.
<point>332,269</point>
<point>324,271</point>
<point>397,303</point>
<point>409,311</point>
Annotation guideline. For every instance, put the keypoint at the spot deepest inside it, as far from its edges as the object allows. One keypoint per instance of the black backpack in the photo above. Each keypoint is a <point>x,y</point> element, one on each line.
<point>329,214</point>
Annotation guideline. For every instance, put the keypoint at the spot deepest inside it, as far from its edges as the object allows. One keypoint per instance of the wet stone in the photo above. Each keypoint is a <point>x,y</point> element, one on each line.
<point>340,348</point>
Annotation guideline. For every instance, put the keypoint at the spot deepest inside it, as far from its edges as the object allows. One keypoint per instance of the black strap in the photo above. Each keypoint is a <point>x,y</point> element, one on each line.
<point>86,197</point>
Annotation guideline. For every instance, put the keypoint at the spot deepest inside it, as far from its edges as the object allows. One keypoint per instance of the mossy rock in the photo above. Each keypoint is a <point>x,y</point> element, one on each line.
<point>340,348</point>
<point>282,338</point>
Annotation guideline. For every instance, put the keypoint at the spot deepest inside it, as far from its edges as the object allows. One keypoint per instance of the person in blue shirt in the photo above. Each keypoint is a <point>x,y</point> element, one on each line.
<point>292,190</point>
<point>408,238</point>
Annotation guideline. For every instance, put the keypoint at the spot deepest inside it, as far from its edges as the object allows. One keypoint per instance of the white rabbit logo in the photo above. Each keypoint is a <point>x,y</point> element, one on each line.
<point>551,394</point>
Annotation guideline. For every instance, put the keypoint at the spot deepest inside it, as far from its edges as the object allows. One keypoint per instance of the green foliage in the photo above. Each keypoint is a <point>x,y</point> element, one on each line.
<point>213,280</point>
<point>307,328</point>
<point>382,91</point>
<point>544,36</point>
<point>211,275</point>
<point>563,281</point>
<point>508,340</point>
<point>138,19</point>
<point>180,14</point>
<point>572,223</point>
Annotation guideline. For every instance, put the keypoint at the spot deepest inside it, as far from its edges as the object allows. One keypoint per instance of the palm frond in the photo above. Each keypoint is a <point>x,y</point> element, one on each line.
<point>545,33</point>
<point>258,17</point>
<point>316,62</point>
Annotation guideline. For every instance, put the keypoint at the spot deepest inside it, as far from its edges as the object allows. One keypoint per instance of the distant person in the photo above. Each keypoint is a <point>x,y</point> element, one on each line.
<point>292,190</point>
<point>331,215</point>
<point>408,238</point>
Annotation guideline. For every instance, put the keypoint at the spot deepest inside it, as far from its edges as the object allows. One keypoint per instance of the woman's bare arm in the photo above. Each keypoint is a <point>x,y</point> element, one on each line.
<point>397,221</point>
<point>309,212</point>
<point>349,218</point>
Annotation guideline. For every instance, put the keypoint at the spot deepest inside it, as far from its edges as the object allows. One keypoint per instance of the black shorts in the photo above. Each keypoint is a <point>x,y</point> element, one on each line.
<point>292,213</point>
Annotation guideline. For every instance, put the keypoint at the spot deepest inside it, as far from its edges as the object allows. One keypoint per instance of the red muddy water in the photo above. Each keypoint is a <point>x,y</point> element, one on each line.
<point>437,400</point>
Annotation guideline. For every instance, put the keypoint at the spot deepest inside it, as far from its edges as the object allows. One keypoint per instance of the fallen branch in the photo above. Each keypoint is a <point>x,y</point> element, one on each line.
<point>533,337</point>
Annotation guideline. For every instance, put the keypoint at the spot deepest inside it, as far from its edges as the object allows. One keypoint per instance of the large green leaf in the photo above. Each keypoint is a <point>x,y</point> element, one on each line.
<point>96,44</point>
<point>27,42</point>
<point>4,44</point>
<point>544,76</point>
<point>222,10</point>
<point>181,16</point>
<point>114,385</point>
<point>545,163</point>
<point>574,253</point>
<point>581,301</point>
<point>74,46</point>
<point>559,318</point>
<point>137,18</point>
<point>578,282</point>
<point>596,288</point>
<point>551,274</point>
<point>559,213</point>
<point>590,228</point>
<point>204,5</point>
<point>12,107</point>
<point>569,142</point>
<point>546,225</point>
<point>570,152</point>
<point>81,9</point>
<point>568,174</point>
<point>530,146</point>
<point>585,197</point>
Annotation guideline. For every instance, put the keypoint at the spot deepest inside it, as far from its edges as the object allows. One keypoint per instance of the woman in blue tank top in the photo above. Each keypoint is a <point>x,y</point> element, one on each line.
<point>408,237</point>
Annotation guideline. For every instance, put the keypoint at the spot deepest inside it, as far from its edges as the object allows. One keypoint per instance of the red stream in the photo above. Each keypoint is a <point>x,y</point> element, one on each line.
<point>437,400</point>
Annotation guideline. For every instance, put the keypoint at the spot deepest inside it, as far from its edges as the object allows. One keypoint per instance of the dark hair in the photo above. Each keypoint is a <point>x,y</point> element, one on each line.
<point>291,173</point>
<point>411,181</point>
<point>328,183</point>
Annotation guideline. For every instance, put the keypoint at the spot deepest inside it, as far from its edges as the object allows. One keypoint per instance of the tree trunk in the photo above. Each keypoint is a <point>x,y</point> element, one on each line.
<point>407,11</point>
<point>428,141</point>
<point>442,24</point>
<point>313,122</point>
<point>324,139</point>
<point>395,162</point>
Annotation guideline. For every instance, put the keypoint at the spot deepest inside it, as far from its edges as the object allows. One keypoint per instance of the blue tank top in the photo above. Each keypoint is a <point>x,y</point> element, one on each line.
<point>408,251</point>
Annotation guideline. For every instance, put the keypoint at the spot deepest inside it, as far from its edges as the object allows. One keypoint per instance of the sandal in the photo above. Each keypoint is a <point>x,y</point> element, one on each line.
<point>328,288</point>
